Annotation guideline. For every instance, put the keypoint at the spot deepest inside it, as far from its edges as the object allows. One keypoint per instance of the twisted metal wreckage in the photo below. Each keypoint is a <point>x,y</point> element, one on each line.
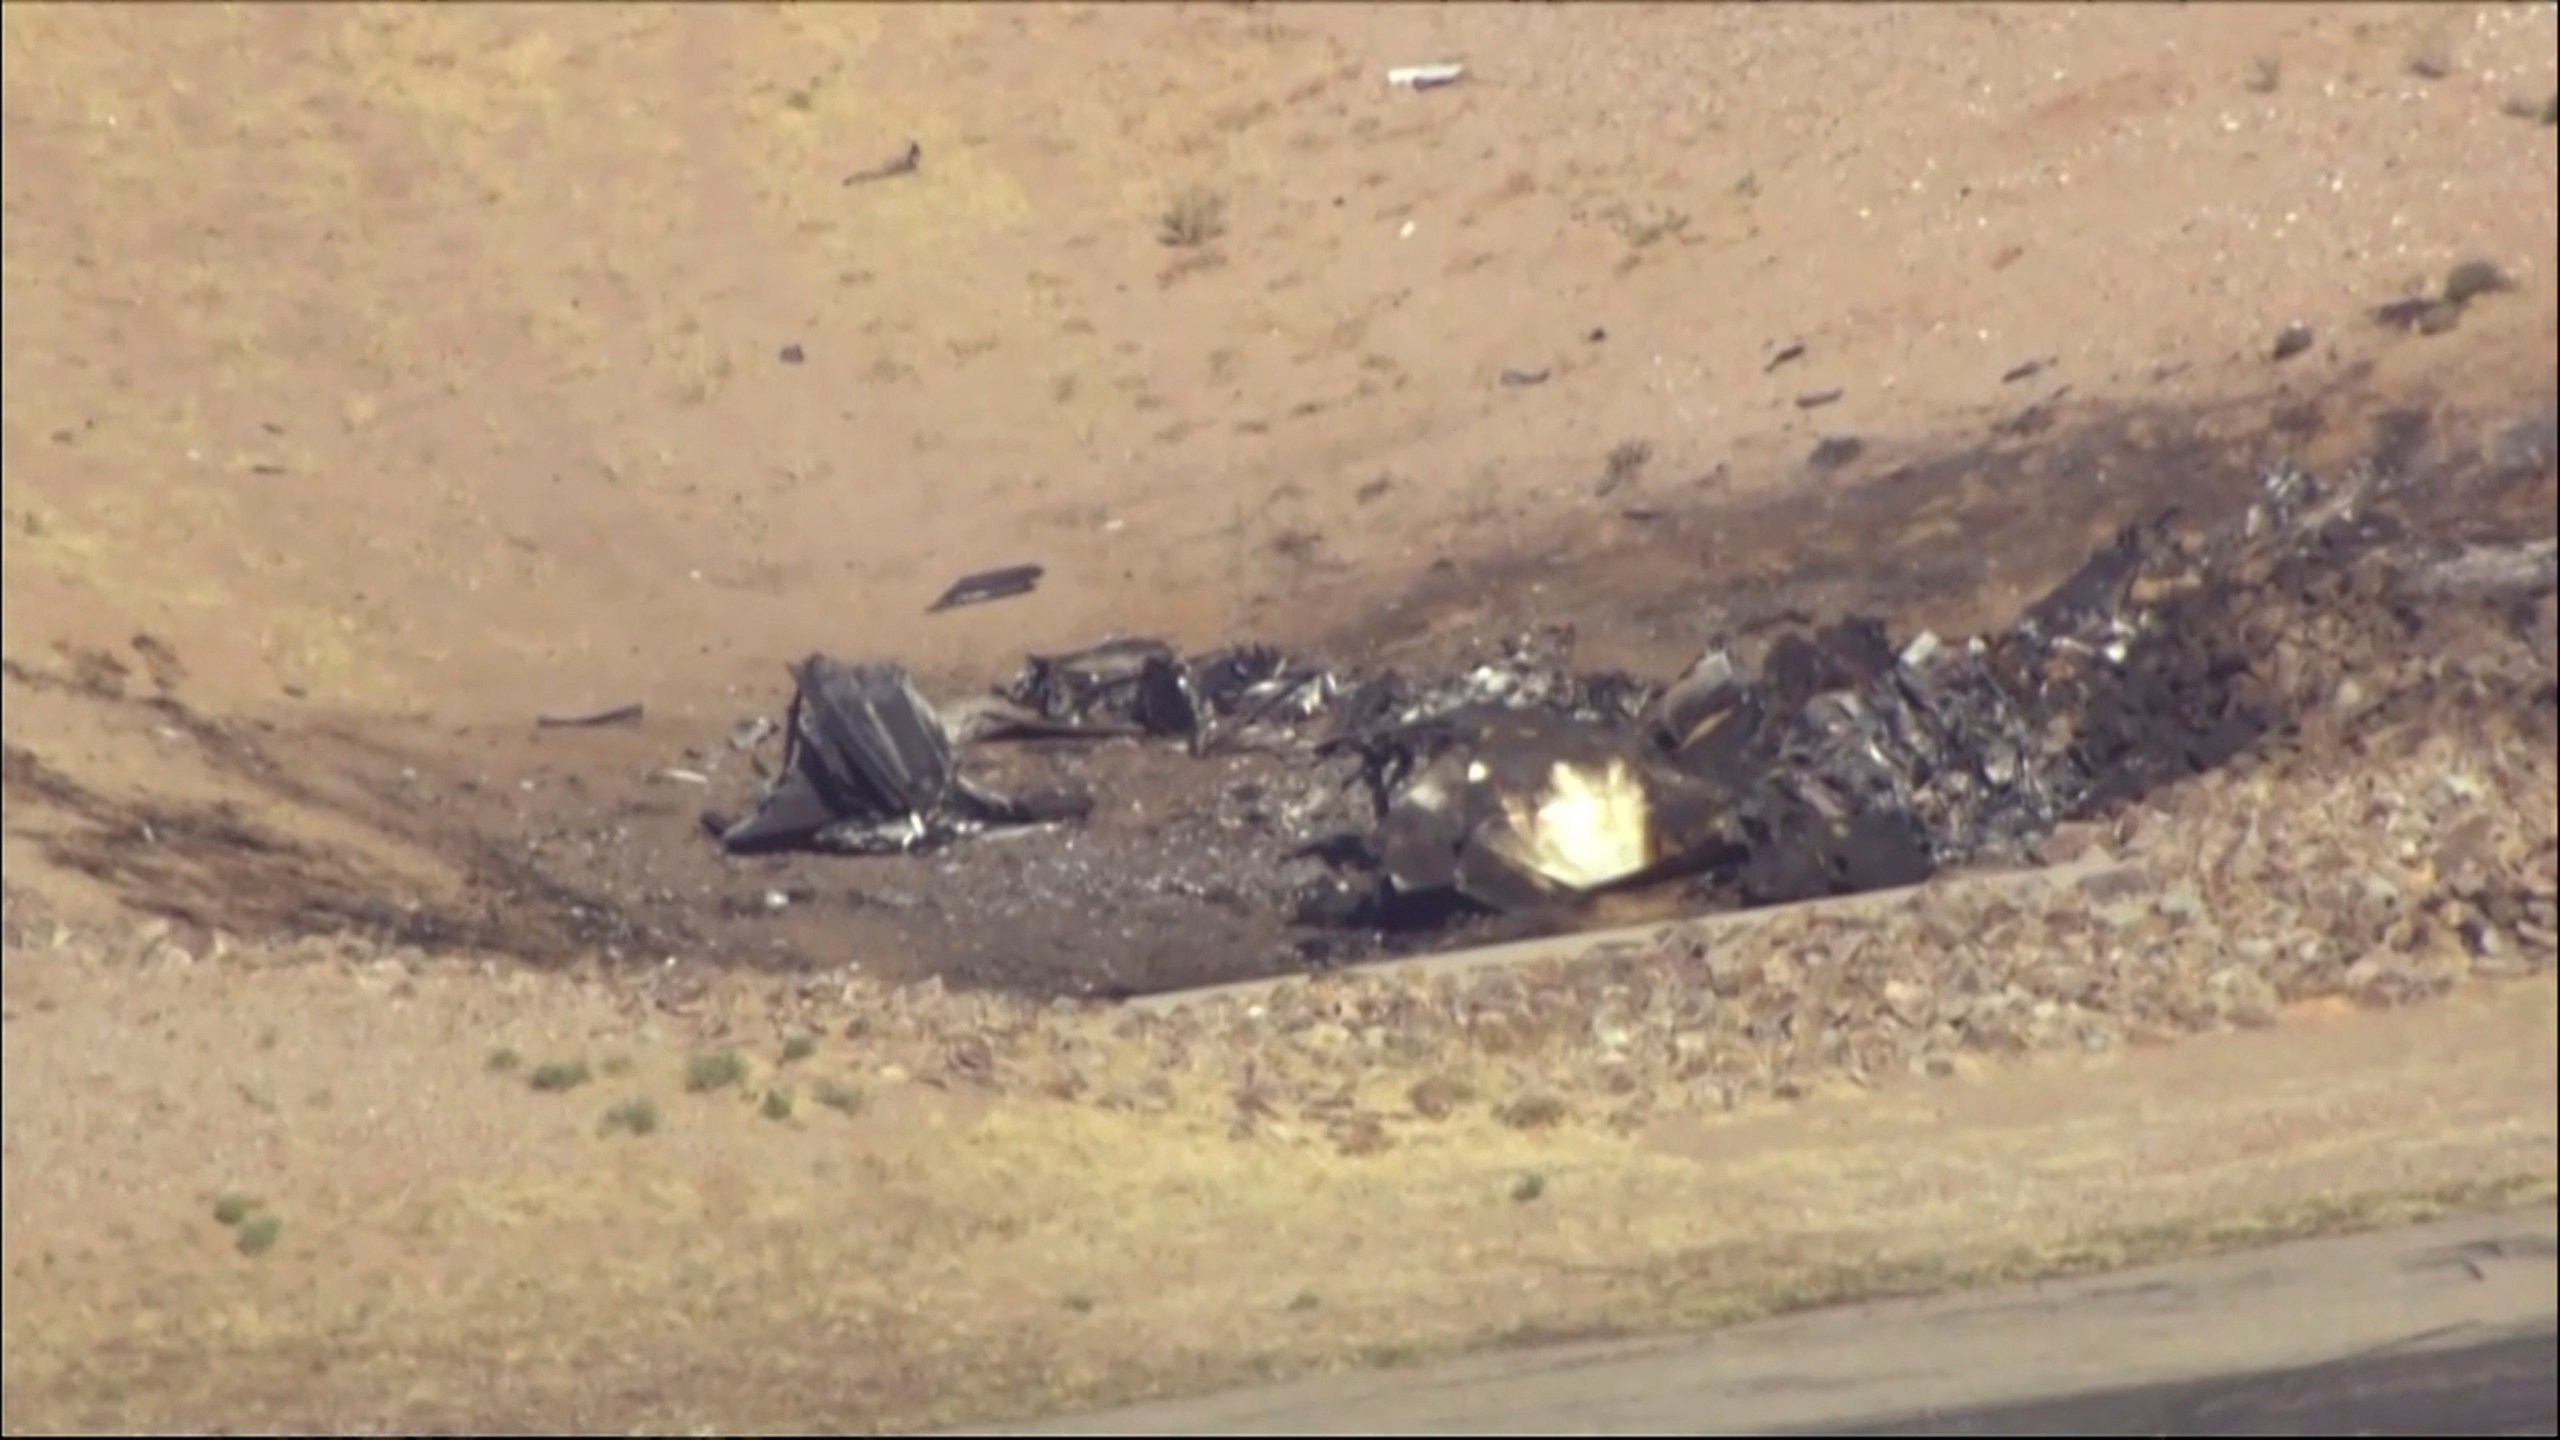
<point>1840,762</point>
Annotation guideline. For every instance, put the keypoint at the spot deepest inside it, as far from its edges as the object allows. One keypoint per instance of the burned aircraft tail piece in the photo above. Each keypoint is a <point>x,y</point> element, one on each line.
<point>868,767</point>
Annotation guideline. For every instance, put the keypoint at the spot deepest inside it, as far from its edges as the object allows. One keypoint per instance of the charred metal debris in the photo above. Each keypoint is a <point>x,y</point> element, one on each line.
<point>1835,759</point>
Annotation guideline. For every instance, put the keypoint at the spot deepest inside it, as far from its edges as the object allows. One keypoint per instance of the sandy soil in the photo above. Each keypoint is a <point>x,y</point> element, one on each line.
<point>379,378</point>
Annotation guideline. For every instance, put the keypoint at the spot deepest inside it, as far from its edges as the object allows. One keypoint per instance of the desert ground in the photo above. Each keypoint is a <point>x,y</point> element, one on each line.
<point>381,379</point>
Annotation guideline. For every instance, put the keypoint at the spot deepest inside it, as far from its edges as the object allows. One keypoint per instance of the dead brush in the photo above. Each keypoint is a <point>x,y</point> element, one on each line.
<point>1192,218</point>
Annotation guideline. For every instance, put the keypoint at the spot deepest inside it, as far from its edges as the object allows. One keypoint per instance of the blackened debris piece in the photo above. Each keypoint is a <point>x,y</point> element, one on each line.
<point>988,585</point>
<point>1837,761</point>
<point>2292,340</point>
<point>1254,692</point>
<point>1530,671</point>
<point>868,767</point>
<point>1078,683</point>
<point>1846,774</point>
<point>1136,686</point>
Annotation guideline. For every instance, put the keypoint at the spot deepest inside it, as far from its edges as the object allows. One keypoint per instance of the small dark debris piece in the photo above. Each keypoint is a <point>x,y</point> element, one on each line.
<point>1788,353</point>
<point>1598,334</point>
<point>988,585</point>
<point>2292,340</point>
<point>1519,379</point>
<point>2418,315</point>
<point>2027,369</point>
<point>2472,279</point>
<point>1820,398</point>
<point>1835,451</point>
<point>591,719</point>
<point>792,354</point>
<point>1373,489</point>
<point>906,162</point>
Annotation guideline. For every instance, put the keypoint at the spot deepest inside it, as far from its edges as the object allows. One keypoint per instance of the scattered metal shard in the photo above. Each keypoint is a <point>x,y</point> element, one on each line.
<point>988,585</point>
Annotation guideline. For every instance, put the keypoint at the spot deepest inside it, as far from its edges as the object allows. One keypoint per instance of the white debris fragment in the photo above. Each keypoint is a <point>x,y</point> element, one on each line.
<point>1425,77</point>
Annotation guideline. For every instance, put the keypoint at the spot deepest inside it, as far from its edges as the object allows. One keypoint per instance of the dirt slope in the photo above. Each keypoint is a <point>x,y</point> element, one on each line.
<point>429,360</point>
